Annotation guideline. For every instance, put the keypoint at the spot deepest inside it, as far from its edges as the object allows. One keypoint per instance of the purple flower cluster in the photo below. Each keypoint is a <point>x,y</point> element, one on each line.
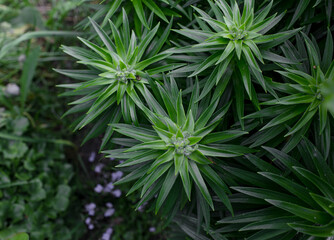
<point>109,187</point>
<point>89,223</point>
<point>110,210</point>
<point>106,188</point>
<point>90,208</point>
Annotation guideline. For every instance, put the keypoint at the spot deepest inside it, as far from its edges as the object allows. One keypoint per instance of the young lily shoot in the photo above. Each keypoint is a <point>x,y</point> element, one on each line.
<point>114,71</point>
<point>237,40</point>
<point>180,146</point>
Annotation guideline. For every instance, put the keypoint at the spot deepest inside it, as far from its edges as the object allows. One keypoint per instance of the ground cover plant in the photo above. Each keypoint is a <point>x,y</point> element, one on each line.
<point>197,119</point>
<point>38,182</point>
<point>42,170</point>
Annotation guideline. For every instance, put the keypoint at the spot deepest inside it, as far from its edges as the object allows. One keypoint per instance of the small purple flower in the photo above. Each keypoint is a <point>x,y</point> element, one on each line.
<point>98,168</point>
<point>98,188</point>
<point>117,193</point>
<point>105,237</point>
<point>112,159</point>
<point>91,212</point>
<point>107,234</point>
<point>90,226</point>
<point>152,229</point>
<point>90,206</point>
<point>109,187</point>
<point>88,221</point>
<point>109,212</point>
<point>121,161</point>
<point>116,175</point>
<point>109,205</point>
<point>92,157</point>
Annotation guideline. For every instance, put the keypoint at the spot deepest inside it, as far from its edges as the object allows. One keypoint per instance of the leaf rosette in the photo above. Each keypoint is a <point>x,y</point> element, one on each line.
<point>308,88</point>
<point>234,39</point>
<point>180,147</point>
<point>235,43</point>
<point>115,72</point>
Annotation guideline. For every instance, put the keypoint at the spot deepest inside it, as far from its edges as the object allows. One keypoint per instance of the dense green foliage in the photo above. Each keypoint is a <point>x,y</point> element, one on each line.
<point>303,201</point>
<point>35,192</point>
<point>219,112</point>
<point>224,57</point>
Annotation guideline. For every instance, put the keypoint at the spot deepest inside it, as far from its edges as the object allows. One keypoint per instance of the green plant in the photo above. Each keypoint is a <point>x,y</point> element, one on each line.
<point>310,85</point>
<point>300,200</point>
<point>307,7</point>
<point>35,184</point>
<point>195,115</point>
<point>180,144</point>
<point>236,41</point>
<point>306,93</point>
<point>116,72</point>
<point>139,10</point>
